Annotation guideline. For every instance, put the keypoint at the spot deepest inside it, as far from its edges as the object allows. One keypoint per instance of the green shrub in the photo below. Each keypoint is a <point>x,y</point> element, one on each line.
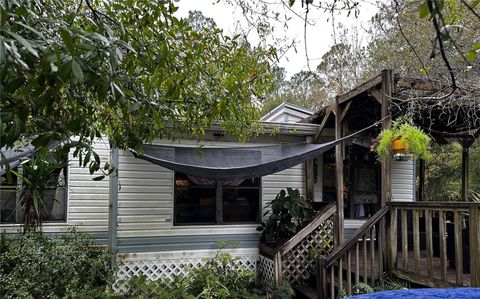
<point>220,277</point>
<point>290,212</point>
<point>38,266</point>
<point>140,287</point>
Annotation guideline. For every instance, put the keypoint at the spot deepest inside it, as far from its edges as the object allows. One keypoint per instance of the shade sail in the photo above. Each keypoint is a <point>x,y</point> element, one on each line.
<point>235,163</point>
<point>12,157</point>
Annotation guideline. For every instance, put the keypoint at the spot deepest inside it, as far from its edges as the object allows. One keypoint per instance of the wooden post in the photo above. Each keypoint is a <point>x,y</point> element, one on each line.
<point>465,176</point>
<point>392,240</point>
<point>309,177</point>
<point>113,205</point>
<point>339,172</point>
<point>387,90</point>
<point>277,265</point>
<point>386,181</point>
<point>321,278</point>
<point>474,239</point>
<point>421,183</point>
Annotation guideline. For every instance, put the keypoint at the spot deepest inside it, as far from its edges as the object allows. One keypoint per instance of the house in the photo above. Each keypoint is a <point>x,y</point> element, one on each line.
<point>159,221</point>
<point>166,221</point>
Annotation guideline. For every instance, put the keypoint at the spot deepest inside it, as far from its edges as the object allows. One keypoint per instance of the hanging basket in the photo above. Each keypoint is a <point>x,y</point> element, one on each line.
<point>399,146</point>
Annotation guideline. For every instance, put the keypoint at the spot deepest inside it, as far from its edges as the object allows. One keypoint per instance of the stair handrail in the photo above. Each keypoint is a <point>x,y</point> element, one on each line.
<point>359,233</point>
<point>323,215</point>
<point>277,256</point>
<point>343,250</point>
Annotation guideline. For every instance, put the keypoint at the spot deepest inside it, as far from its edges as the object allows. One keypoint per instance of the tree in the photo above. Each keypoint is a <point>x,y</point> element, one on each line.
<point>130,71</point>
<point>127,70</point>
<point>199,22</point>
<point>304,88</point>
<point>404,39</point>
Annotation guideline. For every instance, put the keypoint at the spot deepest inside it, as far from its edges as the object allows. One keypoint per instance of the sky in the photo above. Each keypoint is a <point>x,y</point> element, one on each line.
<point>319,35</point>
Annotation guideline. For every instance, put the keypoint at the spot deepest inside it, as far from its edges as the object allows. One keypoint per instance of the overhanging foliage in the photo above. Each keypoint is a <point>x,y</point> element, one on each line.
<point>128,70</point>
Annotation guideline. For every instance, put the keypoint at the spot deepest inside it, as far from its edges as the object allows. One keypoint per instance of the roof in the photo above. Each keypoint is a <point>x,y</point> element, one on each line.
<point>434,106</point>
<point>285,107</point>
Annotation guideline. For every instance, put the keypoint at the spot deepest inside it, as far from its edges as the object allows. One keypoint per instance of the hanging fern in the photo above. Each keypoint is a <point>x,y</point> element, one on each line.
<point>416,141</point>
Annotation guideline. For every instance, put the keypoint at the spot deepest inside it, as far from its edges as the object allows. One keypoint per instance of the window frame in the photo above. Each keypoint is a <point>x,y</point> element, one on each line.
<point>219,203</point>
<point>17,222</point>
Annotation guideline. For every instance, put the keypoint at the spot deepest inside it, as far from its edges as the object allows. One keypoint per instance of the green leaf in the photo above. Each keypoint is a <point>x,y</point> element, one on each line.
<point>424,10</point>
<point>67,40</point>
<point>30,29</point>
<point>77,71</point>
<point>28,45</point>
<point>74,124</point>
<point>3,15</point>
<point>43,139</point>
<point>2,50</point>
<point>134,107</point>
<point>471,56</point>
<point>100,38</point>
<point>475,3</point>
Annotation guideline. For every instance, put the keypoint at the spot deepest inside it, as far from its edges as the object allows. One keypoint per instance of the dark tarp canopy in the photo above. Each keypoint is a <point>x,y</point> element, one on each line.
<point>235,163</point>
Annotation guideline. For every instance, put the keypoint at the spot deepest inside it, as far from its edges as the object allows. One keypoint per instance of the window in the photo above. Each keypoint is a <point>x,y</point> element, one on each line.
<point>201,201</point>
<point>54,205</point>
<point>8,199</point>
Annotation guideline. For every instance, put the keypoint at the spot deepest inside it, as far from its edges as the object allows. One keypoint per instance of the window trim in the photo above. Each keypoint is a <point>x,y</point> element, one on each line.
<point>218,207</point>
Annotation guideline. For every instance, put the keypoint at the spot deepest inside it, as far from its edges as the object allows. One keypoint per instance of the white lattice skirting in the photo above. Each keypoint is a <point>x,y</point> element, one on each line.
<point>265,271</point>
<point>155,268</point>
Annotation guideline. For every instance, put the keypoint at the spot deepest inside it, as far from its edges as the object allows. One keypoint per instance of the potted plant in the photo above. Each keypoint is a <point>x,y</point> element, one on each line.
<point>289,213</point>
<point>404,140</point>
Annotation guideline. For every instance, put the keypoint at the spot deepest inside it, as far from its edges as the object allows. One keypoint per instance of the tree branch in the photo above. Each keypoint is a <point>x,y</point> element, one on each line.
<point>435,11</point>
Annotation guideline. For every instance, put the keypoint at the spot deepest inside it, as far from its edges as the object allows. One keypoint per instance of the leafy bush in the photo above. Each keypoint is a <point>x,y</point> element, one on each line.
<point>290,212</point>
<point>140,287</point>
<point>220,277</point>
<point>38,266</point>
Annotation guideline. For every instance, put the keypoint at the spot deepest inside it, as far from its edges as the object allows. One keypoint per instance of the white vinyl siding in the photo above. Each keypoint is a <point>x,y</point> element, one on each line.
<point>145,197</point>
<point>403,180</point>
<point>318,187</point>
<point>88,199</point>
<point>272,184</point>
<point>87,204</point>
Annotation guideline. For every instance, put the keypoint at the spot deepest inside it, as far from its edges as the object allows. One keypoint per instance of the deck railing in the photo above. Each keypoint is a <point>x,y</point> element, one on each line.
<point>335,271</point>
<point>435,244</point>
<point>439,243</point>
<point>293,259</point>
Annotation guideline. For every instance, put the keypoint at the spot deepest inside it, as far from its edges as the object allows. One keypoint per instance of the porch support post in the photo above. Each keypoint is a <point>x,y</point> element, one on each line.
<point>309,177</point>
<point>421,183</point>
<point>387,91</point>
<point>113,205</point>
<point>465,164</point>
<point>339,173</point>
<point>386,179</point>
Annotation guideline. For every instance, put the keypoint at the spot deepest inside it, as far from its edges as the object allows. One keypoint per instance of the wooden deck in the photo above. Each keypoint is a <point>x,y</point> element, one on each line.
<point>372,267</point>
<point>436,273</point>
